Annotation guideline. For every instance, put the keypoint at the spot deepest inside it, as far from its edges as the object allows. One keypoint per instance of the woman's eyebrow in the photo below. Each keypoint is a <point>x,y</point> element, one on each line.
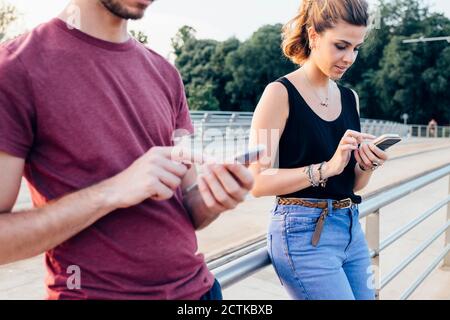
<point>349,43</point>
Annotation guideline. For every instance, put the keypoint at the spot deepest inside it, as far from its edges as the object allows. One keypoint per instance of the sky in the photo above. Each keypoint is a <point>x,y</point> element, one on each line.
<point>213,19</point>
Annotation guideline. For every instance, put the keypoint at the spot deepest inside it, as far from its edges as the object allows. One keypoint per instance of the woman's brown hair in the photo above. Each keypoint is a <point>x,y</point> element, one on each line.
<point>322,15</point>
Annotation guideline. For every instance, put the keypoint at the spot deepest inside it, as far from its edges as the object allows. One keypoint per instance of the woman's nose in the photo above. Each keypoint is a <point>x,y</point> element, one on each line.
<point>349,57</point>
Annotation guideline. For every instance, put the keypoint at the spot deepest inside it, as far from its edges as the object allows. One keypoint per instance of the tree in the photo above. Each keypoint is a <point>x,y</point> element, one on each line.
<point>201,64</point>
<point>184,34</point>
<point>392,77</point>
<point>139,36</point>
<point>234,73</point>
<point>257,62</point>
<point>201,97</point>
<point>8,14</point>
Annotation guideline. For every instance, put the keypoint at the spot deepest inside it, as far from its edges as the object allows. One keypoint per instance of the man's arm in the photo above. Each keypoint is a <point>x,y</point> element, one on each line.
<point>31,232</point>
<point>28,233</point>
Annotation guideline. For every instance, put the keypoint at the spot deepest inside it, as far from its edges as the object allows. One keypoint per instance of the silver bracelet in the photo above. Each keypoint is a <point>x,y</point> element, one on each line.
<point>313,182</point>
<point>322,182</point>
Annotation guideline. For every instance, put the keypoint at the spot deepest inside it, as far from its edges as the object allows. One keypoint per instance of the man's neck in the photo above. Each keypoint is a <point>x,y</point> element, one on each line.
<point>92,18</point>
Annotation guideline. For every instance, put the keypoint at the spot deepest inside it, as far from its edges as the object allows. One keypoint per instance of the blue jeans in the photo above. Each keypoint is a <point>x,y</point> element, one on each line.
<point>338,268</point>
<point>215,293</point>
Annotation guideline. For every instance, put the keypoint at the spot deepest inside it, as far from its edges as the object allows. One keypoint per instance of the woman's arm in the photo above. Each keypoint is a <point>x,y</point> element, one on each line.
<point>362,178</point>
<point>268,123</point>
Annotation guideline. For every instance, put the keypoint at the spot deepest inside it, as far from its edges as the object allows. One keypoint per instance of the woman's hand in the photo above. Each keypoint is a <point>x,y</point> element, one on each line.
<point>369,156</point>
<point>341,157</point>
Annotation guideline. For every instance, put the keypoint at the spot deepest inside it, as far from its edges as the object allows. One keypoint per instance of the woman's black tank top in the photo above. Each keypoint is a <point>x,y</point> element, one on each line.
<point>308,139</point>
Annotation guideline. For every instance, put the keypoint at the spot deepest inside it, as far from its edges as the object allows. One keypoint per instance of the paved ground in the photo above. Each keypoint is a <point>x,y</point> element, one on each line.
<point>24,279</point>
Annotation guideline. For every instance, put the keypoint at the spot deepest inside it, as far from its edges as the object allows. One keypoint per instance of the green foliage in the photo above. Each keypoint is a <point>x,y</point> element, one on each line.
<point>230,74</point>
<point>256,63</point>
<point>393,77</point>
<point>202,97</point>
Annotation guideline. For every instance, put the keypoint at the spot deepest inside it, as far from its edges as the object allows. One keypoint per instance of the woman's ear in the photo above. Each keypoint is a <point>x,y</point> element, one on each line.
<point>313,37</point>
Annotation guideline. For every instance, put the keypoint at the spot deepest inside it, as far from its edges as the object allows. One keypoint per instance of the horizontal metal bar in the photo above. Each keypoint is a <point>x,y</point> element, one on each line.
<point>402,231</point>
<point>241,268</point>
<point>225,258</point>
<point>393,194</point>
<point>414,255</point>
<point>405,295</point>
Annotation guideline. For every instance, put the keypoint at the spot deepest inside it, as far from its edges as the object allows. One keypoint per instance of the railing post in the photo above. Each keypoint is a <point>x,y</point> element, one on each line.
<point>447,233</point>
<point>373,241</point>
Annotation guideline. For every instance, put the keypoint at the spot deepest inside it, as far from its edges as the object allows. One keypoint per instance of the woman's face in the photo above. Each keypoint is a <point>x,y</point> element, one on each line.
<point>336,49</point>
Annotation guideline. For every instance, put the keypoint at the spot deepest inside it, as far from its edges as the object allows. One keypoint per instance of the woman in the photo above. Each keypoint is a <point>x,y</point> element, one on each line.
<point>315,240</point>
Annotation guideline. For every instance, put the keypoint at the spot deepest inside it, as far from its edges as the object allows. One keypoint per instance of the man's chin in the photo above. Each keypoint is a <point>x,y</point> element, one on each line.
<point>136,16</point>
<point>125,12</point>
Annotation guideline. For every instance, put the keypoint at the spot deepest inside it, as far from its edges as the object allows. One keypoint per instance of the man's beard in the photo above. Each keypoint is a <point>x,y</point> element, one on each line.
<point>117,9</point>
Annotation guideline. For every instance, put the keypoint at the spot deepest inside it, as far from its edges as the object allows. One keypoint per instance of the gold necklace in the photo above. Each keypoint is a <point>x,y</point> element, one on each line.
<point>322,102</point>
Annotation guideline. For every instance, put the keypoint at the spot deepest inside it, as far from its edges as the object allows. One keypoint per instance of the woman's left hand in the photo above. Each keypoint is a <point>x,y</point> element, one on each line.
<point>369,156</point>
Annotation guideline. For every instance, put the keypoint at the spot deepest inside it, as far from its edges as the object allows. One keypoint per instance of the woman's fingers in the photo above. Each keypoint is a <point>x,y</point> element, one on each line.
<point>350,140</point>
<point>378,152</point>
<point>358,135</point>
<point>364,156</point>
<point>346,147</point>
<point>357,156</point>
<point>371,156</point>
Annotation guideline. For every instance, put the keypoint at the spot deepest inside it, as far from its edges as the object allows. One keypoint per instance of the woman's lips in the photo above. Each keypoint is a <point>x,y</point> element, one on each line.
<point>341,69</point>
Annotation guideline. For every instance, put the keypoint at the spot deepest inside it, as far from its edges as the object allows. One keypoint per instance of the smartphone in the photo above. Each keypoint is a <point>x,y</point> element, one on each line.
<point>386,141</point>
<point>251,155</point>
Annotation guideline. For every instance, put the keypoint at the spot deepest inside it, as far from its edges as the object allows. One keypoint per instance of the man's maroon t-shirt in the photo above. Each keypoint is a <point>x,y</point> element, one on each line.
<point>80,110</point>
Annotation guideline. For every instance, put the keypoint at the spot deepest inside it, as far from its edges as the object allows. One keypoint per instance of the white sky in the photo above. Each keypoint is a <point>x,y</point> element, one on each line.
<point>215,19</point>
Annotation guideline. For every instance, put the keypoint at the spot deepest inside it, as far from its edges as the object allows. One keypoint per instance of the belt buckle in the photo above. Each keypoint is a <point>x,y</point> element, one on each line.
<point>350,203</point>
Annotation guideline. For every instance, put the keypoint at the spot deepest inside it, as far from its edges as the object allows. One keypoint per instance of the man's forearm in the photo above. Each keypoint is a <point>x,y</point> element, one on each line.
<point>29,233</point>
<point>362,178</point>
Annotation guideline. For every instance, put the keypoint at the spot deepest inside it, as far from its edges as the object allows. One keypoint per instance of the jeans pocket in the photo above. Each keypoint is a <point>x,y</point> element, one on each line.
<point>301,223</point>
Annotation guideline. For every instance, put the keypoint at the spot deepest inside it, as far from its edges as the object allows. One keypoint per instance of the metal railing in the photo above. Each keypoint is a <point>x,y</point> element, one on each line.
<point>209,124</point>
<point>422,131</point>
<point>240,264</point>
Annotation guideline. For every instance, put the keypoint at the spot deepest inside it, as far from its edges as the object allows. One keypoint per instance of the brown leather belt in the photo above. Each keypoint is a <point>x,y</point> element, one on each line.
<point>336,204</point>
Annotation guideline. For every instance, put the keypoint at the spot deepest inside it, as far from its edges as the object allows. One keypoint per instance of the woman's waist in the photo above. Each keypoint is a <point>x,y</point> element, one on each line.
<point>324,194</point>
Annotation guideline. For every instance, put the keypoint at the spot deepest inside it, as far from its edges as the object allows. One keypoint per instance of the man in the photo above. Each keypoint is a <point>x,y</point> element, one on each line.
<point>87,114</point>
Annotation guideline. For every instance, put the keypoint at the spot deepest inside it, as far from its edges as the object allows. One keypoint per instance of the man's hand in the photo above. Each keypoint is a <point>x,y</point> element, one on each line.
<point>224,186</point>
<point>156,175</point>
